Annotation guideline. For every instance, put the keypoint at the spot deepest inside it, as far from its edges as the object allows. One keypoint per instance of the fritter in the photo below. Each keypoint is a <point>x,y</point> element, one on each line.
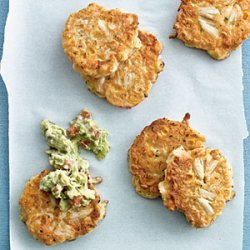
<point>150,150</point>
<point>47,223</point>
<point>131,83</point>
<point>197,183</point>
<point>96,40</point>
<point>216,26</point>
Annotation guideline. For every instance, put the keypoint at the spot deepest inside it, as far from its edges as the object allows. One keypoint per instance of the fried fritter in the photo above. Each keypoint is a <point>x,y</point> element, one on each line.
<point>96,40</point>
<point>47,223</point>
<point>150,150</point>
<point>215,26</point>
<point>198,183</point>
<point>131,83</point>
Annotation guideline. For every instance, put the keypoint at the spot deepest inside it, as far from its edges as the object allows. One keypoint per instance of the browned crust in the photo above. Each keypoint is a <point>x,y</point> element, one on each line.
<point>45,221</point>
<point>133,80</point>
<point>182,186</point>
<point>137,91</point>
<point>150,150</point>
<point>89,55</point>
<point>189,30</point>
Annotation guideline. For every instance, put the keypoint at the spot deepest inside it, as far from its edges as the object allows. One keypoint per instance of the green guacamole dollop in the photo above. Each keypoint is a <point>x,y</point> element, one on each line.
<point>87,134</point>
<point>69,181</point>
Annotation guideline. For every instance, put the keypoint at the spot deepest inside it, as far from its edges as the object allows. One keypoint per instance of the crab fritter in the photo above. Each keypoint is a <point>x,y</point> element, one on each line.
<point>131,83</point>
<point>150,150</point>
<point>197,183</point>
<point>47,223</point>
<point>96,40</point>
<point>216,26</point>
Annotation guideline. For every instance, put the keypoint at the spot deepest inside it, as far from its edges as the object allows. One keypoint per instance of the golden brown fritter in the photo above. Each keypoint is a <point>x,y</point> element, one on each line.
<point>217,26</point>
<point>150,150</point>
<point>198,183</point>
<point>47,223</point>
<point>96,40</point>
<point>131,83</point>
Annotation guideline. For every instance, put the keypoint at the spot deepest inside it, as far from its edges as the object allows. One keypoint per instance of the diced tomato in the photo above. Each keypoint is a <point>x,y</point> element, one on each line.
<point>77,200</point>
<point>85,144</point>
<point>68,162</point>
<point>85,114</point>
<point>92,130</point>
<point>72,131</point>
<point>97,134</point>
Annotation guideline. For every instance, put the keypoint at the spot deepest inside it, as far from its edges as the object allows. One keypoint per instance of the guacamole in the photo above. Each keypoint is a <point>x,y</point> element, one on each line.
<point>70,186</point>
<point>57,137</point>
<point>63,153</point>
<point>69,182</point>
<point>87,134</point>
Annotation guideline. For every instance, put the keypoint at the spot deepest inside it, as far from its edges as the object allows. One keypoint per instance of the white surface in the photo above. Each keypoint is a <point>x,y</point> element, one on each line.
<point>41,84</point>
